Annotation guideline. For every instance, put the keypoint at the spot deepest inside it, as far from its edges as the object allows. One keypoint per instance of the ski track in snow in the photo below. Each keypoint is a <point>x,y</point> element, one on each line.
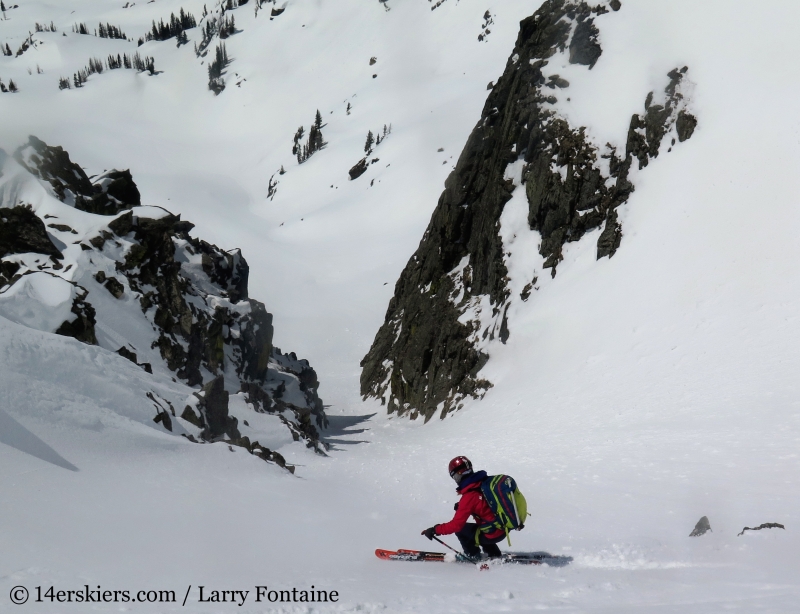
<point>634,395</point>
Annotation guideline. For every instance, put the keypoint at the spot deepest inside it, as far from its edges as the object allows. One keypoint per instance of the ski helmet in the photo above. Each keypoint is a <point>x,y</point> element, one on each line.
<point>459,467</point>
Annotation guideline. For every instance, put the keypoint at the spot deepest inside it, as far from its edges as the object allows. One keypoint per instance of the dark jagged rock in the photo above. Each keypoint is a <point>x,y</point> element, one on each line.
<point>229,270</point>
<point>701,528</point>
<point>555,81</point>
<point>82,327</point>
<point>21,231</point>
<point>428,354</point>
<point>214,404</point>
<point>164,418</point>
<point>62,228</point>
<point>53,165</point>
<point>111,193</point>
<point>113,285</point>
<point>358,169</point>
<point>685,125</point>
<point>118,185</point>
<point>584,48</point>
<point>8,272</point>
<point>263,452</point>
<point>126,353</point>
<point>191,417</point>
<point>611,237</point>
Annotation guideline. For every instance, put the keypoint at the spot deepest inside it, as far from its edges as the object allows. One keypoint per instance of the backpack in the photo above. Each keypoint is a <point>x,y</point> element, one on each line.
<point>506,502</point>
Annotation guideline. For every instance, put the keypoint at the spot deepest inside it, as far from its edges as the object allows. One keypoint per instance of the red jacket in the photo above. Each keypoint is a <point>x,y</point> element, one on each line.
<point>472,504</point>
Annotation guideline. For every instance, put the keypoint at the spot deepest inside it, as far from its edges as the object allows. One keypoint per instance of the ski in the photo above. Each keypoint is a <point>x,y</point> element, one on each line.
<point>518,558</point>
<point>409,555</point>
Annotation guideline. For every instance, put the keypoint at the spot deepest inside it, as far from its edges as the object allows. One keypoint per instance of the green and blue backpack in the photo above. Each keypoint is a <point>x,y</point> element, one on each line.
<point>506,502</point>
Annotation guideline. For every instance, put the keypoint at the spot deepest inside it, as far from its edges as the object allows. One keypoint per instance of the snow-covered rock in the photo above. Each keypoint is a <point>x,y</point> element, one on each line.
<point>135,282</point>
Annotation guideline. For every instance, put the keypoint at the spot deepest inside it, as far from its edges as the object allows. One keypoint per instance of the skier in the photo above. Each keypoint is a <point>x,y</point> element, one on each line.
<point>487,532</point>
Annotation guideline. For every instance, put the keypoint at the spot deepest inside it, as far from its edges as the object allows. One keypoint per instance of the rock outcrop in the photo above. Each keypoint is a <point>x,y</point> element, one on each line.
<point>110,193</point>
<point>81,327</point>
<point>186,299</point>
<point>21,231</point>
<point>702,527</point>
<point>428,354</point>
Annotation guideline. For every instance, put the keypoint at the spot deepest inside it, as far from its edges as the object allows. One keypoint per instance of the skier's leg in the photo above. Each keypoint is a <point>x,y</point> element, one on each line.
<point>492,550</point>
<point>467,538</point>
<point>490,546</point>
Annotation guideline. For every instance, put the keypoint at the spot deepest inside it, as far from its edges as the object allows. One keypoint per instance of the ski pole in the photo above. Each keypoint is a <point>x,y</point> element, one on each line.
<point>469,558</point>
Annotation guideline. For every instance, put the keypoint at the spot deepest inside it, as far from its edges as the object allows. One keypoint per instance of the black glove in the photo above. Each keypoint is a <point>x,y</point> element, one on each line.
<point>429,533</point>
<point>455,507</point>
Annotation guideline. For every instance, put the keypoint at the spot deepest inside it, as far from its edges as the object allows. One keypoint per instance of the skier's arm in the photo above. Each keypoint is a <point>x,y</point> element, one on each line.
<point>463,512</point>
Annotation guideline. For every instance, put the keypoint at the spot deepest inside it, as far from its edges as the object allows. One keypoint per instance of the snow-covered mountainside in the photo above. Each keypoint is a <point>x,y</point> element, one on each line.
<point>628,395</point>
<point>84,259</point>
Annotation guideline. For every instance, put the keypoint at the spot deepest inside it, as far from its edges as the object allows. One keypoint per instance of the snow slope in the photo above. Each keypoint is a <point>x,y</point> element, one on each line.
<point>634,394</point>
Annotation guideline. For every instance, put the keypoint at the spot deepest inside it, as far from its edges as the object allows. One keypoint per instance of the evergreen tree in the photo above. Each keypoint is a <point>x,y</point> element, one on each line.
<point>370,141</point>
<point>297,136</point>
<point>215,81</point>
<point>318,120</point>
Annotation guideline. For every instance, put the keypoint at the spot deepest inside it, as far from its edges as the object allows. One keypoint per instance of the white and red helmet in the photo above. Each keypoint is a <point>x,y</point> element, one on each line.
<point>459,467</point>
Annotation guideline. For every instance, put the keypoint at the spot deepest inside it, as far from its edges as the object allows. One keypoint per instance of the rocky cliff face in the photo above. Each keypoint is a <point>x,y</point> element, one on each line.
<point>138,284</point>
<point>452,297</point>
<point>108,194</point>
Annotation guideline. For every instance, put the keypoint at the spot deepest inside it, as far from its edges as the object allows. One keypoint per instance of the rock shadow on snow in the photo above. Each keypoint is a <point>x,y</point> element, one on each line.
<point>342,426</point>
<point>13,434</point>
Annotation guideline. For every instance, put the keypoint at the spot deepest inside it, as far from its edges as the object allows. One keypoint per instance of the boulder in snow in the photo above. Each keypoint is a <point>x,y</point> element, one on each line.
<point>701,528</point>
